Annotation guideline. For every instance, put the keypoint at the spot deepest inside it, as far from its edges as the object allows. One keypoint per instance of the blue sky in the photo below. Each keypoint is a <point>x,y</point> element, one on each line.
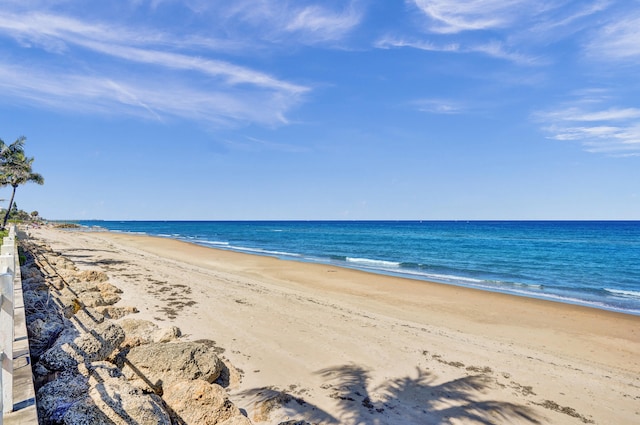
<point>275,109</point>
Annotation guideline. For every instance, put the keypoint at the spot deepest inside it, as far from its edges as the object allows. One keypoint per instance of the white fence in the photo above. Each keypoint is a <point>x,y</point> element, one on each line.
<point>8,264</point>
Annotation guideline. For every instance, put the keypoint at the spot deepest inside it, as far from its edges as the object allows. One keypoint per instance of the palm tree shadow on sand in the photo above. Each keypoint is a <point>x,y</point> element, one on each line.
<point>407,400</point>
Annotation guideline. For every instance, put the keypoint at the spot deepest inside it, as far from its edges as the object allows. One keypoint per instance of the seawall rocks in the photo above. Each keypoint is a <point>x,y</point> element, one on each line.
<point>89,368</point>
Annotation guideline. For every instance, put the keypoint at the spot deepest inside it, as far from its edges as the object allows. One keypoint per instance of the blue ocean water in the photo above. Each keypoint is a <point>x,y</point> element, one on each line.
<point>586,262</point>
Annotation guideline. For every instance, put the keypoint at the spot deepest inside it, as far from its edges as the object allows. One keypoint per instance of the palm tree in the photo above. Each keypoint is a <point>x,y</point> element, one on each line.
<point>15,169</point>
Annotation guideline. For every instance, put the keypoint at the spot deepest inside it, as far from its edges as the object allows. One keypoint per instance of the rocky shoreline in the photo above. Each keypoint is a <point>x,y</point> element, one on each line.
<point>93,364</point>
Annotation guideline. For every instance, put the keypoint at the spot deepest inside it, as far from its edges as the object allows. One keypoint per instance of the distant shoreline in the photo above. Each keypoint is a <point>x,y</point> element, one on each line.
<point>610,298</point>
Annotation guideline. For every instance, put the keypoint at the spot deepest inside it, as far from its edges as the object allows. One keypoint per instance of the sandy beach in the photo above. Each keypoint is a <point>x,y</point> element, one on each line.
<point>339,346</point>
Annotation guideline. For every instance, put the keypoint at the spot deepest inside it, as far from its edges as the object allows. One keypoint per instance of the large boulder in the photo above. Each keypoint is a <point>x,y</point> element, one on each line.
<point>99,395</point>
<point>152,366</point>
<point>120,401</point>
<point>137,331</point>
<point>92,276</point>
<point>199,402</point>
<point>84,412</point>
<point>43,333</point>
<point>115,313</point>
<point>97,299</point>
<point>86,319</point>
<point>88,347</point>
<point>55,398</point>
<point>167,334</point>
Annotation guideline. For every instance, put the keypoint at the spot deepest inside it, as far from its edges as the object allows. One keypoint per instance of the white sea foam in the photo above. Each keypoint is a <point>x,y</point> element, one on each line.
<point>264,251</point>
<point>128,232</point>
<point>207,242</point>
<point>450,278</point>
<point>624,293</point>
<point>373,263</point>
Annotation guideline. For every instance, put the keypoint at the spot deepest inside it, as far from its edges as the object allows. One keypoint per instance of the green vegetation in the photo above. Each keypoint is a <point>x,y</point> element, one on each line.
<point>67,226</point>
<point>15,170</point>
<point>22,256</point>
<point>17,215</point>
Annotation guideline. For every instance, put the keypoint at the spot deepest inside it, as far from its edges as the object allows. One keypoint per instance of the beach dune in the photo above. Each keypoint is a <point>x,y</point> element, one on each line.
<point>331,345</point>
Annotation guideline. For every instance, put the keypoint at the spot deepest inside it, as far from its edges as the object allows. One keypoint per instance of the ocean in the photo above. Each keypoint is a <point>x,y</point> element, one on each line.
<point>591,263</point>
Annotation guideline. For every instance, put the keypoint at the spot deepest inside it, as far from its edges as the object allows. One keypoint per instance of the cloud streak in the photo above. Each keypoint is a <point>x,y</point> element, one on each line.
<point>618,40</point>
<point>452,16</point>
<point>494,49</point>
<point>150,100</point>
<point>169,83</point>
<point>439,106</point>
<point>516,31</point>
<point>293,22</point>
<point>613,131</point>
<point>319,24</point>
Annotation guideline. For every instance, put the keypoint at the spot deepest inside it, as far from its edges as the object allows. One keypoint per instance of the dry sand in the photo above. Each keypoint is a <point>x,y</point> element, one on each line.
<point>333,345</point>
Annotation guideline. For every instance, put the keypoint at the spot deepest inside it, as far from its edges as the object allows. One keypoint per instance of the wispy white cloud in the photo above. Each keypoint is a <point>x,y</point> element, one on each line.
<point>494,49</point>
<point>498,50</point>
<point>568,20</point>
<point>171,83</point>
<point>517,31</point>
<point>299,22</point>
<point>388,42</point>
<point>150,99</point>
<point>618,40</point>
<point>579,114</point>
<point>614,130</point>
<point>318,23</point>
<point>439,106</point>
<point>252,144</point>
<point>453,16</point>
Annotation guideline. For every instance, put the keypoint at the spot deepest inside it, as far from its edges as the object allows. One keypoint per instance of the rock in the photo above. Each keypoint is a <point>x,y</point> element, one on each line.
<point>167,334</point>
<point>69,305</point>
<point>154,365</point>
<point>87,347</point>
<point>68,302</point>
<point>85,412</point>
<point>34,285</point>
<point>115,313</point>
<point>102,287</point>
<point>99,342</point>
<point>137,332</point>
<point>294,422</point>
<point>93,294</point>
<point>36,301</point>
<point>42,334</point>
<point>120,401</point>
<point>30,273</point>
<point>236,420</point>
<point>86,319</point>
<point>107,288</point>
<point>92,276</point>
<point>79,287</point>
<point>99,396</point>
<point>97,299</point>
<point>57,283</point>
<point>199,402</point>
<point>55,398</point>
<point>56,359</point>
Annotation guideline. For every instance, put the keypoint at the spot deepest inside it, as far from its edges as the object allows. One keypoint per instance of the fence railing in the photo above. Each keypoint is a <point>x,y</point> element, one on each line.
<point>8,264</point>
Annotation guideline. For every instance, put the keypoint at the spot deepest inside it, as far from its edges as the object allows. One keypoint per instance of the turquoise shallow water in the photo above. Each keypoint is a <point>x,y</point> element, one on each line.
<point>588,263</point>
